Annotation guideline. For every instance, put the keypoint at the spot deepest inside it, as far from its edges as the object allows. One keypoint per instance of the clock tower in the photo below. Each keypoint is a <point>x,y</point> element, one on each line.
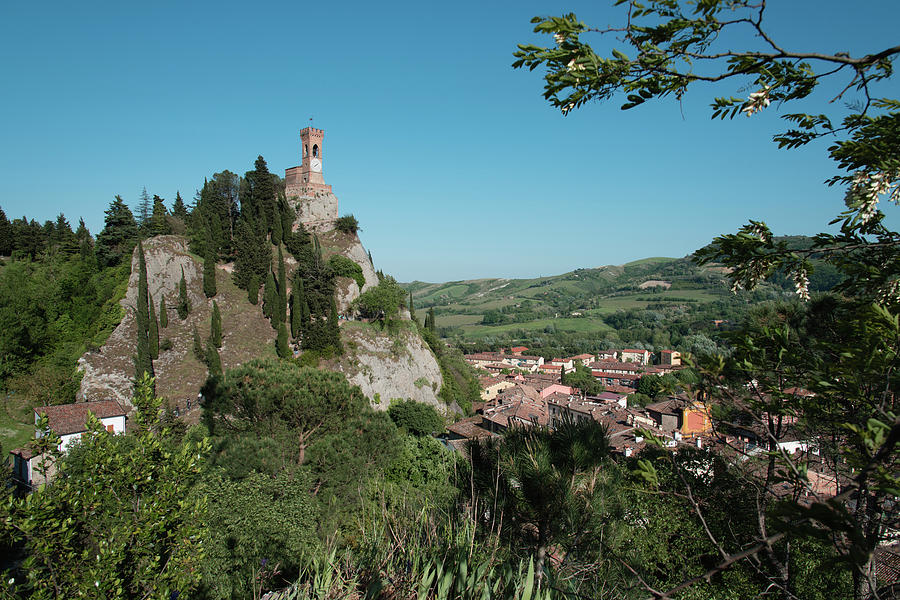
<point>307,179</point>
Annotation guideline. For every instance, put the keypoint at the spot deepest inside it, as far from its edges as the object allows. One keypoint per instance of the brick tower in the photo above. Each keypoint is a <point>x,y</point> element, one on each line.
<point>307,179</point>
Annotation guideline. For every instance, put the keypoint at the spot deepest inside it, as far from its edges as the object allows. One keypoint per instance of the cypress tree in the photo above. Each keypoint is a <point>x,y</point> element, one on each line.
<point>412,310</point>
<point>215,327</point>
<point>198,346</point>
<point>143,362</point>
<point>163,314</point>
<point>184,304</point>
<point>287,220</point>
<point>371,262</point>
<point>154,332</point>
<point>282,288</point>
<point>213,361</point>
<point>209,271</point>
<point>297,302</point>
<point>334,329</point>
<point>277,230</point>
<point>281,344</point>
<point>270,298</point>
<point>253,290</point>
<point>430,323</point>
<point>143,300</point>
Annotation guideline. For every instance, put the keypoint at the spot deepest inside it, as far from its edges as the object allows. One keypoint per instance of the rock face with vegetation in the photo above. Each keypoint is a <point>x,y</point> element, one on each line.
<point>109,371</point>
<point>389,365</point>
<point>348,245</point>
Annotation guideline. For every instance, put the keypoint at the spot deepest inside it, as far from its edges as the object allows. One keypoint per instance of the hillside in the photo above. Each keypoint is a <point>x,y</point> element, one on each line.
<point>576,301</point>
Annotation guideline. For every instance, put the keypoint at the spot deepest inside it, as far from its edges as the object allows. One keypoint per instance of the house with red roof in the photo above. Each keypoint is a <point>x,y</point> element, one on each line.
<point>69,422</point>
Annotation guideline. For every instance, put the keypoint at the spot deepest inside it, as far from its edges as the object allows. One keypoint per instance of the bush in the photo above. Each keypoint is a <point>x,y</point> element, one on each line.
<point>417,418</point>
<point>347,224</point>
<point>166,345</point>
<point>382,302</point>
<point>345,267</point>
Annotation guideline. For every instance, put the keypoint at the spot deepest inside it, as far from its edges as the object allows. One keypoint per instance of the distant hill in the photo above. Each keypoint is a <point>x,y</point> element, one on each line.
<point>579,300</point>
<point>571,301</point>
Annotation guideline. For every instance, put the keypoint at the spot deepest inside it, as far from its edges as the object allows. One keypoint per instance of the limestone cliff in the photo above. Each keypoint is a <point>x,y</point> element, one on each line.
<point>387,366</point>
<point>108,373</point>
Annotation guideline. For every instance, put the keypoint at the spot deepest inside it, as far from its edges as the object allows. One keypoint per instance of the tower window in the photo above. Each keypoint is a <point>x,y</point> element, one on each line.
<point>316,150</point>
<point>305,150</point>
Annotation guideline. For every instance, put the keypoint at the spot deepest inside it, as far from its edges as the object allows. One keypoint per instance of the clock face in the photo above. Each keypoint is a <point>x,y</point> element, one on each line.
<point>315,164</point>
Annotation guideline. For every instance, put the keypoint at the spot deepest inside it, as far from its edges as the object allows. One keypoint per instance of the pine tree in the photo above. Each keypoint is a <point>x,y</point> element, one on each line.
<point>297,302</point>
<point>158,223</point>
<point>215,326</point>
<point>253,290</point>
<point>120,232</point>
<point>281,344</point>
<point>282,288</point>
<point>154,332</point>
<point>145,207</point>
<point>209,272</point>
<point>270,298</point>
<point>163,314</point>
<point>184,304</point>
<point>198,346</point>
<point>6,235</point>
<point>179,210</point>
<point>213,361</point>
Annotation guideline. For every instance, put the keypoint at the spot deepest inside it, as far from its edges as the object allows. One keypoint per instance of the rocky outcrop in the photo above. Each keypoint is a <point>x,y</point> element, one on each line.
<point>387,366</point>
<point>108,373</point>
<point>317,211</point>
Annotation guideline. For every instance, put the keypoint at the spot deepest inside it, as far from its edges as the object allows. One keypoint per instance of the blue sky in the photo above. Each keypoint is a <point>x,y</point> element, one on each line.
<point>452,161</point>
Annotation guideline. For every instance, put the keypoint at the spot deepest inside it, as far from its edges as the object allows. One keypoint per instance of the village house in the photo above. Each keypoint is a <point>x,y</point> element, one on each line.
<point>607,355</point>
<point>69,422</point>
<point>670,357</point>
<point>491,386</point>
<point>585,359</point>
<point>637,356</point>
<point>566,363</point>
<point>520,405</point>
<point>685,417</point>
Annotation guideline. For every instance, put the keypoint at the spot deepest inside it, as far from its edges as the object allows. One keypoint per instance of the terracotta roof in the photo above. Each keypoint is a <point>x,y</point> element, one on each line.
<point>636,351</point>
<point>619,389</point>
<point>469,428</point>
<point>669,407</point>
<point>26,453</point>
<point>71,418</point>
<point>518,349</point>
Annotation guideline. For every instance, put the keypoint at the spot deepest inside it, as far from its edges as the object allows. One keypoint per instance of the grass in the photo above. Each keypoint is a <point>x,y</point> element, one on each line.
<point>16,426</point>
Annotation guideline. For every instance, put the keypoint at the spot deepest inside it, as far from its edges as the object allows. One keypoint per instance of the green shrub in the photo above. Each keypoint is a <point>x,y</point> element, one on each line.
<point>347,224</point>
<point>344,267</point>
<point>417,418</point>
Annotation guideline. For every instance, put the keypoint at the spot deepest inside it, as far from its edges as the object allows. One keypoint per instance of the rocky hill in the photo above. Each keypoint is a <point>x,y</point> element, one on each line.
<point>385,365</point>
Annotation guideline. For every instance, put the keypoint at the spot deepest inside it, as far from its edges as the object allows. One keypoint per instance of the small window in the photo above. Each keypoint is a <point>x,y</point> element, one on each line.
<point>315,150</point>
